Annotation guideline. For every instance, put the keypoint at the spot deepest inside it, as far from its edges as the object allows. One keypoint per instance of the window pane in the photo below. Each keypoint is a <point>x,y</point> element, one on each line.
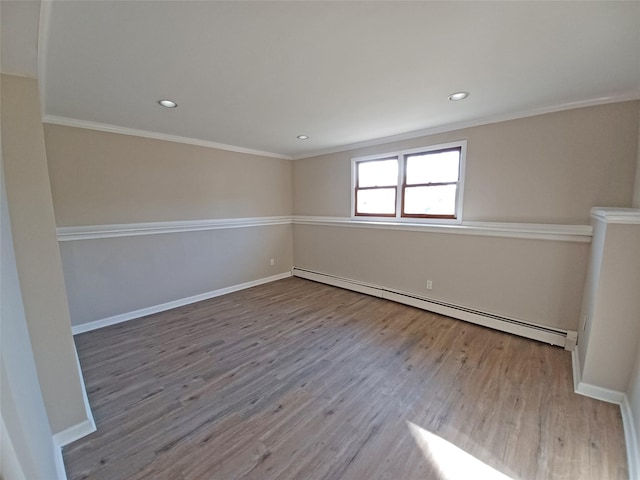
<point>439,200</point>
<point>433,167</point>
<point>381,201</point>
<point>381,173</point>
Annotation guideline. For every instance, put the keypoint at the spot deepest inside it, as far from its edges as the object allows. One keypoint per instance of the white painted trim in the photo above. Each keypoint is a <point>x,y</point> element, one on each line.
<point>61,471</point>
<point>629,216</point>
<point>630,438</point>
<point>472,123</point>
<point>589,390</point>
<point>600,393</point>
<point>619,398</point>
<point>74,433</point>
<point>85,398</point>
<point>575,366</point>
<point>400,155</point>
<point>143,312</point>
<point>103,127</point>
<point>553,336</point>
<point>566,233</point>
<point>135,229</point>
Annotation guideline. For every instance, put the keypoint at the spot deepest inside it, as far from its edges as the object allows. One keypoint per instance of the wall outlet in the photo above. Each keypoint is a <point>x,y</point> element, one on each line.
<point>429,285</point>
<point>272,262</point>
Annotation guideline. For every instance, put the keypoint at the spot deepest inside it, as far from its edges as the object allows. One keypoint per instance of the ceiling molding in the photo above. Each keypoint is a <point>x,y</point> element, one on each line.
<point>475,123</point>
<point>103,127</point>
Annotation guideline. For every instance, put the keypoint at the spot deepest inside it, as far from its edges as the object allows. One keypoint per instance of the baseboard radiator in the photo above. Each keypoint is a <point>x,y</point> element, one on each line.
<point>554,336</point>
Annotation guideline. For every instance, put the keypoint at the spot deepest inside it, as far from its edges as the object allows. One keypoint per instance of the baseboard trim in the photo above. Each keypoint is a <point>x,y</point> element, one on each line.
<point>143,312</point>
<point>630,437</point>
<point>589,390</point>
<point>497,322</point>
<point>76,432</point>
<point>61,471</point>
<point>611,396</point>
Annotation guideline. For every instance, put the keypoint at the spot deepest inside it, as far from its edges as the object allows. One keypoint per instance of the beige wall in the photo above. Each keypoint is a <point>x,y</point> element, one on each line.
<point>608,347</point>
<point>532,280</point>
<point>551,168</point>
<point>36,252</point>
<point>106,178</point>
<point>545,169</point>
<point>26,440</point>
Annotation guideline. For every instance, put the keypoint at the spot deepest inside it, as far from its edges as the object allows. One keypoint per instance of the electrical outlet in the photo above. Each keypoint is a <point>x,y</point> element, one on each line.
<point>272,262</point>
<point>429,285</point>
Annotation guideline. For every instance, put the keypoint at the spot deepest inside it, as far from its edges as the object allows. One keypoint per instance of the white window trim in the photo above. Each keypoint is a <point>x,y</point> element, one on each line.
<point>462,144</point>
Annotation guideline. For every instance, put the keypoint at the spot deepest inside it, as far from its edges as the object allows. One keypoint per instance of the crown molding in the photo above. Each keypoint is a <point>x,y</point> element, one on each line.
<point>103,127</point>
<point>475,123</point>
<point>629,216</point>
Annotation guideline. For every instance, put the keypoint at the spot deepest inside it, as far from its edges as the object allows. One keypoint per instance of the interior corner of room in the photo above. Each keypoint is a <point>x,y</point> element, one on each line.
<point>103,225</point>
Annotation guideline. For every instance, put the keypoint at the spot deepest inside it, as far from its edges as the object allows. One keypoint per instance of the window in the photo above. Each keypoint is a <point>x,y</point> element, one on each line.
<point>423,183</point>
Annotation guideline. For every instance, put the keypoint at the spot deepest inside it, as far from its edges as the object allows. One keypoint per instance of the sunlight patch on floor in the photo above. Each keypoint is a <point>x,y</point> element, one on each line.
<point>451,462</point>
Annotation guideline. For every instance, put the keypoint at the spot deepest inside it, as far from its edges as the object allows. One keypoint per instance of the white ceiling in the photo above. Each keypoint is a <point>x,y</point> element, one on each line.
<point>257,74</point>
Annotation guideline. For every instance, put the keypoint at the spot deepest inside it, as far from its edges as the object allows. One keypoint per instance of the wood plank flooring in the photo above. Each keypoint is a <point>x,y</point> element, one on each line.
<point>299,380</point>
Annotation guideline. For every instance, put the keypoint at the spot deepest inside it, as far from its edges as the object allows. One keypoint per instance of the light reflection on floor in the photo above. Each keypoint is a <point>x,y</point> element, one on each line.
<point>451,462</point>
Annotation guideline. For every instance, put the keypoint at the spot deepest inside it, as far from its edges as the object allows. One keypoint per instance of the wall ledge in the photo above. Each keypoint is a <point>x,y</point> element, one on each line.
<point>567,233</point>
<point>150,228</point>
<point>629,216</point>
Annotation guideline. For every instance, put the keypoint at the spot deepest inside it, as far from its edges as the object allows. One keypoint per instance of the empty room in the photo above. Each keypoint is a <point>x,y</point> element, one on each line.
<point>319,240</point>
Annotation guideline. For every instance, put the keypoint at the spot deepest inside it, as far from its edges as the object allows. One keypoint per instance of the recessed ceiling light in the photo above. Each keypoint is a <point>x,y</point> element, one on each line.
<point>168,103</point>
<point>454,97</point>
<point>303,137</point>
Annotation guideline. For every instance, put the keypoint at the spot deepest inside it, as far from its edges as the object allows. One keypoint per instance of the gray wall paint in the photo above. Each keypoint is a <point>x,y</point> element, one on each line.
<point>110,276</point>
<point>21,404</point>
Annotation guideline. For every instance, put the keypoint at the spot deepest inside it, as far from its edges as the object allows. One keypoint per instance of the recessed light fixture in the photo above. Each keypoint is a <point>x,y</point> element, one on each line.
<point>168,103</point>
<point>454,97</point>
<point>303,137</point>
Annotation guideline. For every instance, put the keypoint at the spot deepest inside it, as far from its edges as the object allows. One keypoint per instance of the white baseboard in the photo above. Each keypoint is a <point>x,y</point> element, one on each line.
<point>589,390</point>
<point>630,438</point>
<point>619,398</point>
<point>61,472</point>
<point>517,327</point>
<point>143,312</point>
<point>74,433</point>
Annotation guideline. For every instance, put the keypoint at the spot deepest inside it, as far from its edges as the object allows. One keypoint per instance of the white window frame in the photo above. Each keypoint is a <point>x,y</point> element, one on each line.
<point>462,144</point>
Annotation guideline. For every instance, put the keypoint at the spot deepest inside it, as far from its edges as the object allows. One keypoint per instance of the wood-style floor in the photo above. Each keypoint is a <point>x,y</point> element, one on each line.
<point>299,380</point>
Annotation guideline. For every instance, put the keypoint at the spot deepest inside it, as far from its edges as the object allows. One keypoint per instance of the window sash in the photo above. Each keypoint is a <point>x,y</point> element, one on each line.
<point>401,188</point>
<point>405,159</point>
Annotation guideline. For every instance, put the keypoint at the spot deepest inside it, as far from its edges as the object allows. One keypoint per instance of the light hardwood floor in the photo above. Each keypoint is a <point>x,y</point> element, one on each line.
<point>299,380</point>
